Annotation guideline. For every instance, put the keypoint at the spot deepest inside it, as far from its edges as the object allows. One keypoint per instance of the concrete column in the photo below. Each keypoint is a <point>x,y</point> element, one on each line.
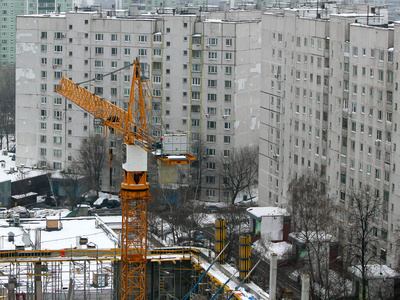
<point>305,287</point>
<point>272,276</point>
<point>38,281</point>
<point>11,290</point>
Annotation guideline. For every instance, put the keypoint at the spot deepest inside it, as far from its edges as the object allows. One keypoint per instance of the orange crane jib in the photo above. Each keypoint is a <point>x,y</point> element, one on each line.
<point>131,124</point>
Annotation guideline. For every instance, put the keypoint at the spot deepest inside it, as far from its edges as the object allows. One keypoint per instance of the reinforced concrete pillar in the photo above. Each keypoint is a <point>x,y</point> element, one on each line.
<point>272,276</point>
<point>220,239</point>
<point>38,281</point>
<point>244,257</point>
<point>305,287</point>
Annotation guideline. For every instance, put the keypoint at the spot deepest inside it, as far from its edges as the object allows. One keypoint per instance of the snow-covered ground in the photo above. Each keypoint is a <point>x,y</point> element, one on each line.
<point>281,249</point>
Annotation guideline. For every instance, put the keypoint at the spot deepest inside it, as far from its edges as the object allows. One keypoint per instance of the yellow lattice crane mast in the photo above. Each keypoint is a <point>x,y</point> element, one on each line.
<point>132,124</point>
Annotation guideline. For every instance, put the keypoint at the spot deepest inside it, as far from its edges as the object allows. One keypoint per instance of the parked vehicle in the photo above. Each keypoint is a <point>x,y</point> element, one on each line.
<point>50,200</point>
<point>113,203</point>
<point>24,214</point>
<point>90,200</point>
<point>196,238</point>
<point>212,208</point>
<point>3,212</point>
<point>100,203</point>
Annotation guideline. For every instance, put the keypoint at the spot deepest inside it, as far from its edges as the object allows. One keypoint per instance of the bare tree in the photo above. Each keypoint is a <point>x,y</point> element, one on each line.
<point>176,206</point>
<point>7,103</point>
<point>91,158</point>
<point>239,170</point>
<point>197,167</point>
<point>311,209</point>
<point>364,208</point>
<point>73,184</point>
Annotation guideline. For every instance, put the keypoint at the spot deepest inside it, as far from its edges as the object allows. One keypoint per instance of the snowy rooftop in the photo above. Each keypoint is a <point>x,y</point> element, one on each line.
<point>302,237</point>
<point>259,212</point>
<point>375,271</point>
<point>92,228</point>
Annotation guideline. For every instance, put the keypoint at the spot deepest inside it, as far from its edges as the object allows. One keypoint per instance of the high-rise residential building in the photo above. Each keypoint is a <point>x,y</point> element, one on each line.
<point>204,73</point>
<point>329,89</point>
<point>10,9</point>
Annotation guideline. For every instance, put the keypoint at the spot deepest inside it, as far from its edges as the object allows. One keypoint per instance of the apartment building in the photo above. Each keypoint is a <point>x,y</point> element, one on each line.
<point>329,89</point>
<point>10,9</point>
<point>204,73</point>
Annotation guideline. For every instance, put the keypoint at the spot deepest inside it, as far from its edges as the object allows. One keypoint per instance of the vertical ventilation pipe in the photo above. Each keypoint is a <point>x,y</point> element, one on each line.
<point>220,239</point>
<point>244,257</point>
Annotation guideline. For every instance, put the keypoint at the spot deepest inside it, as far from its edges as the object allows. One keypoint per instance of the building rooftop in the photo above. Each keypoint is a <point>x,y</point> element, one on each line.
<point>95,230</point>
<point>375,272</point>
<point>259,212</point>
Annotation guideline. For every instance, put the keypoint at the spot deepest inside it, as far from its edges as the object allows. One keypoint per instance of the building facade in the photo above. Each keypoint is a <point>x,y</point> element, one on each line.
<point>204,78</point>
<point>329,104</point>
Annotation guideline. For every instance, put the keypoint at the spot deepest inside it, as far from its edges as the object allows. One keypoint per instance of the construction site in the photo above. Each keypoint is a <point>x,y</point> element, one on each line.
<point>83,258</point>
<point>46,259</point>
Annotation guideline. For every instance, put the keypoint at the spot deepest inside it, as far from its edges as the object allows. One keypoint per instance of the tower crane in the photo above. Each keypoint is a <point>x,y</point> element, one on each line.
<point>133,125</point>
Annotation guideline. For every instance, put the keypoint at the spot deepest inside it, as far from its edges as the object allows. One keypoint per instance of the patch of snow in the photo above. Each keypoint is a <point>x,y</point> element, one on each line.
<point>375,271</point>
<point>281,249</point>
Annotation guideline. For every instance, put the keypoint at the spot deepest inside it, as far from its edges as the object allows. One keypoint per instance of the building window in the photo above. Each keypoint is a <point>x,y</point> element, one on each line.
<point>57,114</point>
<point>227,139</point>
<point>99,50</point>
<point>57,139</point>
<point>211,124</point>
<point>212,55</point>
<point>196,95</point>
<point>228,55</point>
<point>213,41</point>
<point>211,138</point>
<point>57,126</point>
<point>98,37</point>
<point>98,90</point>
<point>211,165</point>
<point>57,48</point>
<point>57,153</point>
<point>210,193</point>
<point>212,83</point>
<point>195,123</point>
<point>142,39</point>
<point>212,69</point>
<point>196,81</point>
<point>157,38</point>
<point>196,68</point>
<point>142,52</point>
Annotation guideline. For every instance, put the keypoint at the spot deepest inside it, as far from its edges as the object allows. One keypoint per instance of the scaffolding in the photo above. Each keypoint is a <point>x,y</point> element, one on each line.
<point>91,274</point>
<point>84,279</point>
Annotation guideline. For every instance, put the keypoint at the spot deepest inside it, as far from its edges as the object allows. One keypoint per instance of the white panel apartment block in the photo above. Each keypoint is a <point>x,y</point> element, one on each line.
<point>329,90</point>
<point>205,80</point>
